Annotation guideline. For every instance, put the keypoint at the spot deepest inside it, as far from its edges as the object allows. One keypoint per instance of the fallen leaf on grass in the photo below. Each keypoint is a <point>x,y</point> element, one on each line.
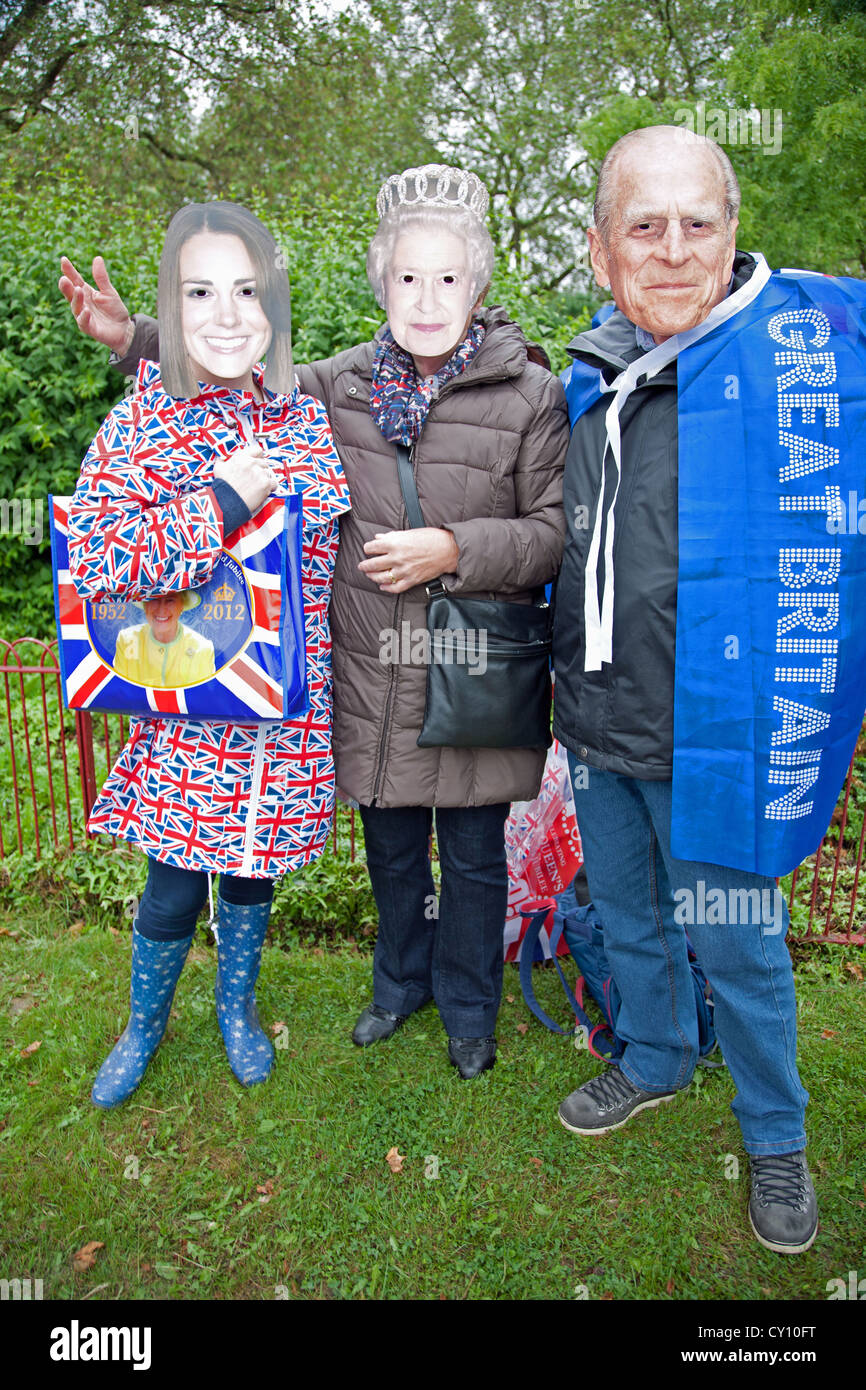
<point>32,1083</point>
<point>30,1048</point>
<point>4,931</point>
<point>21,1004</point>
<point>855,970</point>
<point>669,1286</point>
<point>509,998</point>
<point>522,1028</point>
<point>536,1160</point>
<point>267,1190</point>
<point>85,1258</point>
<point>395,1160</point>
<point>76,928</point>
<point>828,1033</point>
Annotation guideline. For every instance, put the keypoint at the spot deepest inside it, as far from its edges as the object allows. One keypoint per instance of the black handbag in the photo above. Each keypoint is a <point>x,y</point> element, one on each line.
<point>488,674</point>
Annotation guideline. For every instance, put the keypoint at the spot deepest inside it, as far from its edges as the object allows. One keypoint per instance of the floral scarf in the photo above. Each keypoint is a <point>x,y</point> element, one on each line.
<point>400,399</point>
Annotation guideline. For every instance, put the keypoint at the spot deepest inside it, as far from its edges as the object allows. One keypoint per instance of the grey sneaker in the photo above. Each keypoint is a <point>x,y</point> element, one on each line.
<point>606,1102</point>
<point>783,1209</point>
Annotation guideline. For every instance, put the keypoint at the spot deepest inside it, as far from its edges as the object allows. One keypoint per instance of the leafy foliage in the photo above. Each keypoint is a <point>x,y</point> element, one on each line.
<point>806,206</point>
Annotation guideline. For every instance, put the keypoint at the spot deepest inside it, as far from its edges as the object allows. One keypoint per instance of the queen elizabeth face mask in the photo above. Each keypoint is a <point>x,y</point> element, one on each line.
<point>429,296</point>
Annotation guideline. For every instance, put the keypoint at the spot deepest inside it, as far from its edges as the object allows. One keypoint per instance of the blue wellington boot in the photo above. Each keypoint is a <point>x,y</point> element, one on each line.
<point>156,967</point>
<point>242,932</point>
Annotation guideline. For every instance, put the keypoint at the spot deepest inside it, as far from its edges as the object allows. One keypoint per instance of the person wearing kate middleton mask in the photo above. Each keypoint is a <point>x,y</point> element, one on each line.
<point>166,480</point>
<point>486,424</point>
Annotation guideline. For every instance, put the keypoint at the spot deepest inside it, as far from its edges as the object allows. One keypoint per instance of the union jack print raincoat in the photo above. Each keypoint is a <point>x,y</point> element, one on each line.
<point>253,799</point>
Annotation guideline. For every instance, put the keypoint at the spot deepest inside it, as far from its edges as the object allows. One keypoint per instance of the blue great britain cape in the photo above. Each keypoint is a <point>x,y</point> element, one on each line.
<point>770,682</point>
<point>246,798</point>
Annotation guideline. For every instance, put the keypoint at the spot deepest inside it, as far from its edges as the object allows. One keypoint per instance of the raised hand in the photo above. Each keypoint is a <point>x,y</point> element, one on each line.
<point>99,312</point>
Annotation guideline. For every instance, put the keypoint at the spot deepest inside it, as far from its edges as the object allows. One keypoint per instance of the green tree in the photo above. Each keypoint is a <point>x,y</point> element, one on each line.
<point>179,100</point>
<point>531,95</point>
<point>806,206</point>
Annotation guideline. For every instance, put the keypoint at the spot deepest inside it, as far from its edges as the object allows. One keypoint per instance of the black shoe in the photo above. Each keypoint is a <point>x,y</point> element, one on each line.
<point>471,1056</point>
<point>376,1025</point>
<point>607,1102</point>
<point>783,1209</point>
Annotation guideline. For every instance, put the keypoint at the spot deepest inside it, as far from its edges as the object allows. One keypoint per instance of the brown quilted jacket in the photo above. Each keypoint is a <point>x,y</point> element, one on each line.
<point>488,467</point>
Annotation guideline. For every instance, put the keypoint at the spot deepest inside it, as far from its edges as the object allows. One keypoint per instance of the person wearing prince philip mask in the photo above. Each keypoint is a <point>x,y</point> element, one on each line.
<point>485,425</point>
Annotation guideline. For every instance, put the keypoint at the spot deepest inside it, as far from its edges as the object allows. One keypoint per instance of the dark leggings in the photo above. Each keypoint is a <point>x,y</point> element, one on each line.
<point>173,898</point>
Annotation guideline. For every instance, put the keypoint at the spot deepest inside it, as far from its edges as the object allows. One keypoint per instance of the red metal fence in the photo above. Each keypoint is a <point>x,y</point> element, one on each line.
<point>52,762</point>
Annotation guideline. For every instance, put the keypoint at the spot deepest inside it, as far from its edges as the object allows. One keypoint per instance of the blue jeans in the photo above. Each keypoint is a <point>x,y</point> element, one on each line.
<point>736,921</point>
<point>173,898</point>
<point>451,952</point>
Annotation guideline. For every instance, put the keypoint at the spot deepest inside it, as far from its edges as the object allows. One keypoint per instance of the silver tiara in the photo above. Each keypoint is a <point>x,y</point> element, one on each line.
<point>433,185</point>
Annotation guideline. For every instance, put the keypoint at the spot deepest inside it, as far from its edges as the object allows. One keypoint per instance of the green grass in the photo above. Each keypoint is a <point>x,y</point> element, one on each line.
<point>520,1209</point>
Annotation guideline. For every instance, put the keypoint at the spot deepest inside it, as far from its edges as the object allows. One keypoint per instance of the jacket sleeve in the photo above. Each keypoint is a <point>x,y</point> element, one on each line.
<point>316,379</point>
<point>145,344</point>
<point>130,534</point>
<point>510,556</point>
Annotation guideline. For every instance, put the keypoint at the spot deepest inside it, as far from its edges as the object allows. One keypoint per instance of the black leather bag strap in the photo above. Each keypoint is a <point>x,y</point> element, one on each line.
<point>408,488</point>
<point>416,516</point>
<point>434,587</point>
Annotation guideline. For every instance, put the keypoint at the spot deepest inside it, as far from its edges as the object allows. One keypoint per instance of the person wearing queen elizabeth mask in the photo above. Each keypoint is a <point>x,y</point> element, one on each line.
<point>487,429</point>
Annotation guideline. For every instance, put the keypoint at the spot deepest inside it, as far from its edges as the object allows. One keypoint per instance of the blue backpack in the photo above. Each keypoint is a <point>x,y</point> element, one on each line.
<point>584,936</point>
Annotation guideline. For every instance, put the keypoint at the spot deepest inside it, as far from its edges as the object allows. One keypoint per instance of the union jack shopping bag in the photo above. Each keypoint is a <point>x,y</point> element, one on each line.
<point>232,649</point>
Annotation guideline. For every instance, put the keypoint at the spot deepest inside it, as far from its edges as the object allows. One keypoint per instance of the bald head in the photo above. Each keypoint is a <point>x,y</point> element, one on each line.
<point>659,142</point>
<point>666,218</point>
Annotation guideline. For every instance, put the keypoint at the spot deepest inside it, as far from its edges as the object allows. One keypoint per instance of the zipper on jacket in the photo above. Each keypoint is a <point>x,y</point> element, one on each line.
<point>389,701</point>
<point>252,809</point>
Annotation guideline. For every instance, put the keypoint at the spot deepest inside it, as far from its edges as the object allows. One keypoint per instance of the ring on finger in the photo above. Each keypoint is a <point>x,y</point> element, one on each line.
<point>391,577</point>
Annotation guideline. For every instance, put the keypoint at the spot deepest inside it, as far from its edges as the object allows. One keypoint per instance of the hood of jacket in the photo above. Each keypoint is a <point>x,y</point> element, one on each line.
<point>227,402</point>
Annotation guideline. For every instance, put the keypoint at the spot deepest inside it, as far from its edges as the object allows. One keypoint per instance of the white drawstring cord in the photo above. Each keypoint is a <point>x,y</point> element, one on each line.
<point>599,625</point>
